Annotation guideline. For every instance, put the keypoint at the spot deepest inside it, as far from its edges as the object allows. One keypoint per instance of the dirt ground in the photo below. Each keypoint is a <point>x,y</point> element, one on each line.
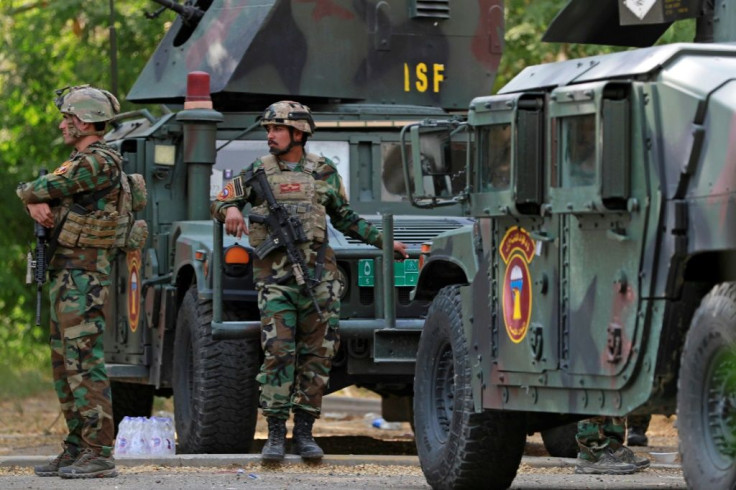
<point>34,426</point>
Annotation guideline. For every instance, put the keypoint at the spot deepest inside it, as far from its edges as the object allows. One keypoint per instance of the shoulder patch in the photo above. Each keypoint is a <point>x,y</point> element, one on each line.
<point>233,190</point>
<point>63,168</point>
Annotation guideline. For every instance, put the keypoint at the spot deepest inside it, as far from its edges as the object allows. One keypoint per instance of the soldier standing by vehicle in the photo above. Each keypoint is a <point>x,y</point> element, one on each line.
<point>602,450</point>
<point>299,304</point>
<point>81,191</point>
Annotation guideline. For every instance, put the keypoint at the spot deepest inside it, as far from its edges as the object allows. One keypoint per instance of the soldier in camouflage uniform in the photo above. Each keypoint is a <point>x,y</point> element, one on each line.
<point>79,270</point>
<point>298,343</point>
<point>602,450</point>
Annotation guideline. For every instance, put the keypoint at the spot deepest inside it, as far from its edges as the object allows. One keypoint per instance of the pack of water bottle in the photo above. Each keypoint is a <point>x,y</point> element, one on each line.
<point>143,436</point>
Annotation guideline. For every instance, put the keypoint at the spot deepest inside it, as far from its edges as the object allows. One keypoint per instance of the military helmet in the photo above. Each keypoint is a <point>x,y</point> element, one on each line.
<point>89,104</point>
<point>289,113</point>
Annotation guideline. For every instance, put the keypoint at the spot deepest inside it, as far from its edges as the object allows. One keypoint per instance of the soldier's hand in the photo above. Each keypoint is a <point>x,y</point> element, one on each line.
<point>400,250</point>
<point>234,222</point>
<point>41,213</point>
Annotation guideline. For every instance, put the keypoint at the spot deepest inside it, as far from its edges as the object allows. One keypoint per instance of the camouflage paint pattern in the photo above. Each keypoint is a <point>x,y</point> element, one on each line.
<point>596,434</point>
<point>87,171</point>
<point>389,52</point>
<point>298,346</point>
<point>77,357</point>
<point>621,262</point>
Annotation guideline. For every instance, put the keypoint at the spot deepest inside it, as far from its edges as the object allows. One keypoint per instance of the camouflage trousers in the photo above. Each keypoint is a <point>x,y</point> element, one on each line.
<point>598,433</point>
<point>298,347</point>
<point>77,357</point>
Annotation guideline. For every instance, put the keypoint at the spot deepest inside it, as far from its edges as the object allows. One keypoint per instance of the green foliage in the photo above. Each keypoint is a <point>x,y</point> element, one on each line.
<point>526,21</point>
<point>45,46</point>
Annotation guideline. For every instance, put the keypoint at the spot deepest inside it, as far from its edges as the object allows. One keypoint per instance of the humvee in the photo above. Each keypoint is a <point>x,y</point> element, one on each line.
<point>599,277</point>
<point>186,319</point>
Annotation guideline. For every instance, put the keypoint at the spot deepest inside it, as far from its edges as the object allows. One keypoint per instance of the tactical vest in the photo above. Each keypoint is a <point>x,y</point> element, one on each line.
<point>297,191</point>
<point>82,228</point>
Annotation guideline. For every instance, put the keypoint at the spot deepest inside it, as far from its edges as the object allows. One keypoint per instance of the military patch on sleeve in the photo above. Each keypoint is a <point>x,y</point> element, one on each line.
<point>233,190</point>
<point>63,168</point>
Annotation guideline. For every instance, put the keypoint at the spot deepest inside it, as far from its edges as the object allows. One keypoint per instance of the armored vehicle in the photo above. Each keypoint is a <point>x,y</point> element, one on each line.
<point>599,277</point>
<point>185,307</point>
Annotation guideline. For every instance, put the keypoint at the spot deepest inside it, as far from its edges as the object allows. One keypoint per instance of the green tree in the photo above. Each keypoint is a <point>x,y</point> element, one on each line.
<point>526,22</point>
<point>47,45</point>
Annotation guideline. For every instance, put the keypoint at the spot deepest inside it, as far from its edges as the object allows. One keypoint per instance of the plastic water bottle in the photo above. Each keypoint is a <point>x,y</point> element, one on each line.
<point>378,422</point>
<point>155,436</point>
<point>167,426</point>
<point>122,441</point>
<point>139,438</point>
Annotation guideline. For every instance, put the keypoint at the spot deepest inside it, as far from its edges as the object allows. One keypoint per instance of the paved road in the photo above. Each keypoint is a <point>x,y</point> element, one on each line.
<point>339,471</point>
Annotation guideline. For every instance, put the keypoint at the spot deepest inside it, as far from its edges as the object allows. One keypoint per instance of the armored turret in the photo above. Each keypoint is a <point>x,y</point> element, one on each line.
<point>416,52</point>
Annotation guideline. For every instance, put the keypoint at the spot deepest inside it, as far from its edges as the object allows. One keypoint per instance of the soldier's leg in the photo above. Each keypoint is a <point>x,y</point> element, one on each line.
<point>317,342</point>
<point>60,282</point>
<point>83,324</point>
<point>614,429</point>
<point>591,439</point>
<point>638,425</point>
<point>278,325</point>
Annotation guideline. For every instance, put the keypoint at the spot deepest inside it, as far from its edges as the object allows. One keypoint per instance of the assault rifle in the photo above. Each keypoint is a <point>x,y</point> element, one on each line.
<point>285,231</point>
<point>38,262</point>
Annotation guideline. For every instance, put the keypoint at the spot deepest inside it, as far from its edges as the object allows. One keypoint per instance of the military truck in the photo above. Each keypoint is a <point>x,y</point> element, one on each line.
<point>186,319</point>
<point>599,277</point>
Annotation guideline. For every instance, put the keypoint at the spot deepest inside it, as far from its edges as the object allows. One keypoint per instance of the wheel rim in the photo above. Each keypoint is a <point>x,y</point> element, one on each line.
<point>719,409</point>
<point>443,392</point>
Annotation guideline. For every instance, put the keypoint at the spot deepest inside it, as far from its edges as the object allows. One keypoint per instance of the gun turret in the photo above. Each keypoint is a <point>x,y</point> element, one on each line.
<point>189,15</point>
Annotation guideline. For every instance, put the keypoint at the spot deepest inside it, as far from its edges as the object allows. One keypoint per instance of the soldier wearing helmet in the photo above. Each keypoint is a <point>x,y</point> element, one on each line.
<point>83,188</point>
<point>298,342</point>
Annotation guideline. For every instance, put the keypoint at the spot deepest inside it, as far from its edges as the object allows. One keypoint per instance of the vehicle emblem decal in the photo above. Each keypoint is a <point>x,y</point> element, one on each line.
<point>640,8</point>
<point>517,251</point>
<point>134,290</point>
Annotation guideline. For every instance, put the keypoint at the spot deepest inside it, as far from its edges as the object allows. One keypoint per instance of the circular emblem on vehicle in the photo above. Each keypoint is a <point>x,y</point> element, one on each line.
<point>134,290</point>
<point>517,251</point>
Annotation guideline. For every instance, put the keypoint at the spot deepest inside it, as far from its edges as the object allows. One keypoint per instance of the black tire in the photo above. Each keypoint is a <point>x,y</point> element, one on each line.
<point>215,388</point>
<point>706,394</point>
<point>130,400</point>
<point>457,447</point>
<point>560,441</point>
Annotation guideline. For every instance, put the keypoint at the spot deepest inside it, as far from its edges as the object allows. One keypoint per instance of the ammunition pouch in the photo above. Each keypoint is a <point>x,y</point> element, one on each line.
<point>307,220</point>
<point>133,236</point>
<point>83,229</point>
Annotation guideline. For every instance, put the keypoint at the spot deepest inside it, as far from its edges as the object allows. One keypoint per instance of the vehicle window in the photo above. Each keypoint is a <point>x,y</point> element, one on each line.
<point>495,168</point>
<point>443,167</point>
<point>578,163</point>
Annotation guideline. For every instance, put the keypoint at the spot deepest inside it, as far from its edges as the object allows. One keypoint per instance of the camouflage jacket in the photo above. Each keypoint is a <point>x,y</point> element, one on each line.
<point>89,170</point>
<point>331,195</point>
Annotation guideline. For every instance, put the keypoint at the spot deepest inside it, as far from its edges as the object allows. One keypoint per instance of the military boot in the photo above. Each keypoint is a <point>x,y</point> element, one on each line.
<point>606,463</point>
<point>302,440</point>
<point>274,449</point>
<point>637,436</point>
<point>66,458</point>
<point>90,465</point>
<point>628,456</point>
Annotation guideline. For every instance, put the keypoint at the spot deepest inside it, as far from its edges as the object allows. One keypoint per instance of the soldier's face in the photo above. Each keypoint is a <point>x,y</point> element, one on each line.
<point>70,129</point>
<point>279,138</point>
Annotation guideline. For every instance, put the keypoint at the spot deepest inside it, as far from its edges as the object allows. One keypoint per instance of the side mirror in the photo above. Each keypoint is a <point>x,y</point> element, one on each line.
<point>435,162</point>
